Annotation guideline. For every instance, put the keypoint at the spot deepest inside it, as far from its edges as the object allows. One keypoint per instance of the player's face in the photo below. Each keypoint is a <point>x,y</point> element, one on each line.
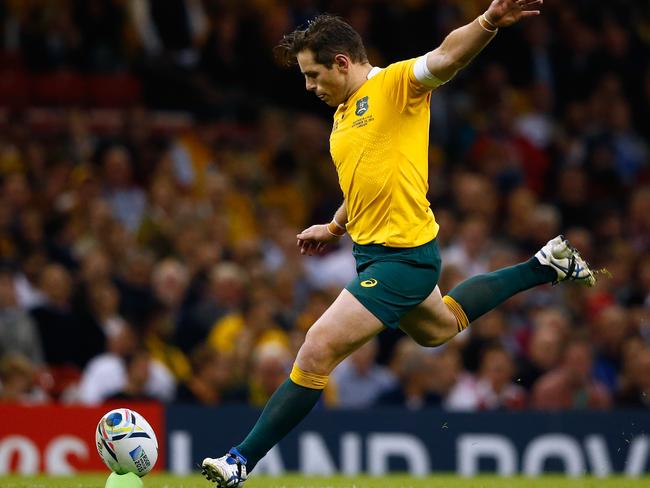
<point>327,83</point>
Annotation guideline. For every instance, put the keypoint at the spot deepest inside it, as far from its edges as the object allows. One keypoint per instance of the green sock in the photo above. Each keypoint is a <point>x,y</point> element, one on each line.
<point>285,409</point>
<point>480,294</point>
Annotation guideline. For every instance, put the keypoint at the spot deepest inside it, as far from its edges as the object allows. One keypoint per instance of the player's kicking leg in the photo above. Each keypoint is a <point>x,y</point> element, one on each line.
<point>437,319</point>
<point>344,327</point>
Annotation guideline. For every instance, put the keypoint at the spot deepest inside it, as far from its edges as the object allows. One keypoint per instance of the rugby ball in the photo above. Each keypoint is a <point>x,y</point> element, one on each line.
<point>126,442</point>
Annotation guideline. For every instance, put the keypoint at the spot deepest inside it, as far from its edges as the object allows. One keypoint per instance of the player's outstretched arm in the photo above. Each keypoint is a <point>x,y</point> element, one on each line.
<point>464,43</point>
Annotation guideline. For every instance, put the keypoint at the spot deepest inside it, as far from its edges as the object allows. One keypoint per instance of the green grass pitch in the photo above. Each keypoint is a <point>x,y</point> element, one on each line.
<point>449,481</point>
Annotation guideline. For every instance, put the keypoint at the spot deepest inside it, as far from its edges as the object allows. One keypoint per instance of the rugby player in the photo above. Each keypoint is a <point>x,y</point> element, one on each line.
<point>379,145</point>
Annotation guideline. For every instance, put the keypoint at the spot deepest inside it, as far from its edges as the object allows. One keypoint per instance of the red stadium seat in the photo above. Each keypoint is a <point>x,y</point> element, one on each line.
<point>56,379</point>
<point>60,88</point>
<point>11,60</point>
<point>15,88</point>
<point>119,90</point>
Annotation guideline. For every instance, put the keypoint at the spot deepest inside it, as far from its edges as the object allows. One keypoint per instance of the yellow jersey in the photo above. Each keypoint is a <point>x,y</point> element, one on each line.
<point>379,145</point>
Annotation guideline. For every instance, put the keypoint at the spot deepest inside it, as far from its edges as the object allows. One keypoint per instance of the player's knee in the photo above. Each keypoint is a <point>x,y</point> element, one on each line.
<point>435,333</point>
<point>431,340</point>
<point>317,354</point>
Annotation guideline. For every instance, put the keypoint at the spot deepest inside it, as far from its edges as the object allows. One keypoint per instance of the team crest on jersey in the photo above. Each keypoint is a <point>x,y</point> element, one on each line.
<point>362,106</point>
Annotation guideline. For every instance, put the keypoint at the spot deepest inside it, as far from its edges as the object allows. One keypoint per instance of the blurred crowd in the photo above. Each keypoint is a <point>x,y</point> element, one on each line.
<point>148,255</point>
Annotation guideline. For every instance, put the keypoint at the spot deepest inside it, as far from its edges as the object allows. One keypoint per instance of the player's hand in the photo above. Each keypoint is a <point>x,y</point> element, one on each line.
<point>503,13</point>
<point>314,239</point>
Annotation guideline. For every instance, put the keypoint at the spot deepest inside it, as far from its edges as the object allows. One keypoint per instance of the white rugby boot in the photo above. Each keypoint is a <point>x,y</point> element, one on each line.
<point>566,261</point>
<point>228,471</point>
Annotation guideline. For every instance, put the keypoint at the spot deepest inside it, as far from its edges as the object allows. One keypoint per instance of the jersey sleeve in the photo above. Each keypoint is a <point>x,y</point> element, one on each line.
<point>409,82</point>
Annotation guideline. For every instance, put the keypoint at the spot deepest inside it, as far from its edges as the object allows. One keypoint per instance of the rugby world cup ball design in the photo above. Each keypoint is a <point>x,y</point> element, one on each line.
<point>126,442</point>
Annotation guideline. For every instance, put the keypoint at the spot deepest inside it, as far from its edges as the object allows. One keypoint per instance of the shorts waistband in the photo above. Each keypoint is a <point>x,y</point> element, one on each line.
<point>381,249</point>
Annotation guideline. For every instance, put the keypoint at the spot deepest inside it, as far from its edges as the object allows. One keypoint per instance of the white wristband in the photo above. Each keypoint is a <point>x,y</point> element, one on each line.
<point>490,23</point>
<point>335,229</point>
<point>487,25</point>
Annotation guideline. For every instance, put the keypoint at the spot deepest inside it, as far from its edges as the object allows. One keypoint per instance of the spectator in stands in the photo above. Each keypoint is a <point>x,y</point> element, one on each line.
<point>134,282</point>
<point>571,385</point>
<point>315,305</point>
<point>470,252</point>
<point>609,330</point>
<point>175,30</point>
<point>287,289</point>
<point>158,339</point>
<point>91,217</point>
<point>545,221</point>
<point>226,296</point>
<point>227,204</point>
<point>638,224</point>
<point>211,380</point>
<point>520,206</point>
<point>413,367</point>
<point>270,364</point>
<point>634,385</point>
<point>18,332</point>
<point>60,328</point>
<point>492,388</point>
<point>642,289</point>
<point>474,195</point>
<point>170,38</point>
<point>573,196</point>
<point>95,267</point>
<point>170,280</point>
<point>126,199</point>
<point>507,157</point>
<point>17,381</point>
<point>544,351</point>
<point>106,374</point>
<point>138,372</point>
<point>104,303</point>
<point>359,380</point>
<point>447,371</point>
<point>193,162</point>
<point>537,123</point>
<point>550,140</point>
<point>8,250</point>
<point>50,38</point>
<point>16,190</point>
<point>490,329</point>
<point>158,224</point>
<point>101,24</point>
<point>629,151</point>
<point>236,335</point>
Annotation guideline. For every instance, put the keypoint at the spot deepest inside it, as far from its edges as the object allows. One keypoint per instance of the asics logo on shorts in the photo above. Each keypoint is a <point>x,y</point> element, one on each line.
<point>369,283</point>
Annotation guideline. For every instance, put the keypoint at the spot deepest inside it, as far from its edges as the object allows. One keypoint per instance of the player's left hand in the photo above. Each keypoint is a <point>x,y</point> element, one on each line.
<point>314,239</point>
<point>503,13</point>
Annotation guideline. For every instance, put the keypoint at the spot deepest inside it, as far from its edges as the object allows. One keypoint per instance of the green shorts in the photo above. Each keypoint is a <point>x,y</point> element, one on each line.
<point>391,281</point>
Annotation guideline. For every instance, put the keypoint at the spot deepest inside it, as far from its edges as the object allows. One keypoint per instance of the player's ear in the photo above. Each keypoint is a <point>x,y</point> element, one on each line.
<point>342,62</point>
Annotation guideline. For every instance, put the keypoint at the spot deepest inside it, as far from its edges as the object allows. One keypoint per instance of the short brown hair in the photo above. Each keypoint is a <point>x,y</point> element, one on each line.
<point>326,36</point>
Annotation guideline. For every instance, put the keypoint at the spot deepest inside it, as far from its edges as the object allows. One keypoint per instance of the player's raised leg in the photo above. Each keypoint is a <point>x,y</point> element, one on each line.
<point>437,319</point>
<point>343,328</point>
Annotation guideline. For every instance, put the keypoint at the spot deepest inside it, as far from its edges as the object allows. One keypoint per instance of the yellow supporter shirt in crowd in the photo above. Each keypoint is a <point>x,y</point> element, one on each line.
<point>379,144</point>
<point>225,332</point>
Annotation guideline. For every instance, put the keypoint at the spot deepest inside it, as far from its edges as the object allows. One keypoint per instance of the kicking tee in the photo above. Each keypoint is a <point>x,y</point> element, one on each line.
<point>379,144</point>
